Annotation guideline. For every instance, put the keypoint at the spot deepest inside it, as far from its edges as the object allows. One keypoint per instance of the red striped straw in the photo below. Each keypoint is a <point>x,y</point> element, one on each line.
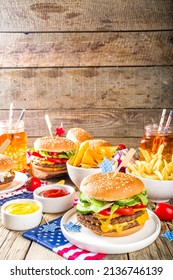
<point>162,120</point>
<point>168,120</point>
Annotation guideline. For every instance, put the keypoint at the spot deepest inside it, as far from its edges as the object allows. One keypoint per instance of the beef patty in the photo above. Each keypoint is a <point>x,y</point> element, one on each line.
<point>8,179</point>
<point>53,165</point>
<point>93,223</point>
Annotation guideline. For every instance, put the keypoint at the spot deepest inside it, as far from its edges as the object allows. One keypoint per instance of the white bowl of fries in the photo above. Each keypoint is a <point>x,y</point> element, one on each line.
<point>156,174</point>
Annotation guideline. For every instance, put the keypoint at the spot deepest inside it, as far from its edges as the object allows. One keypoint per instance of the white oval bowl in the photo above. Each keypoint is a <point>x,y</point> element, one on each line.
<point>157,190</point>
<point>77,174</point>
<point>55,204</point>
<point>24,221</point>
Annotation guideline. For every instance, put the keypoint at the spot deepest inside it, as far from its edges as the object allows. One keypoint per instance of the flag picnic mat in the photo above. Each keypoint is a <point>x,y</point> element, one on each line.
<point>55,241</point>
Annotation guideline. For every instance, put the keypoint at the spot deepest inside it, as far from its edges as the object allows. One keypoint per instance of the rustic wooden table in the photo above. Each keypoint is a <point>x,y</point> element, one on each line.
<point>15,247</point>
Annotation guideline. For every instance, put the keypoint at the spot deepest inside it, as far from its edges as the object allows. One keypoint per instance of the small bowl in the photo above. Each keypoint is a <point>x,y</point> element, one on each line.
<point>157,190</point>
<point>55,204</point>
<point>77,174</point>
<point>21,222</point>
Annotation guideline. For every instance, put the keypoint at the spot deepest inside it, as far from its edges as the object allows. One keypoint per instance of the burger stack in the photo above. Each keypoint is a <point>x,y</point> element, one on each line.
<point>112,205</point>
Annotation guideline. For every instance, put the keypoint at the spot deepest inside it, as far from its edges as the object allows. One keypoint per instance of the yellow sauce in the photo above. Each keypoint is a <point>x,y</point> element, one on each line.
<point>22,208</point>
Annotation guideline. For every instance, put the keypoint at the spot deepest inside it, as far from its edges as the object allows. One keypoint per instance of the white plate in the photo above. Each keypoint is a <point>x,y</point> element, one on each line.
<point>87,240</point>
<point>19,181</point>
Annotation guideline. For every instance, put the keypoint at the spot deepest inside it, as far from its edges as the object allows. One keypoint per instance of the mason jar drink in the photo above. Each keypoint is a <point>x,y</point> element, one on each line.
<point>166,138</point>
<point>146,143</point>
<point>18,146</point>
<point>153,138</point>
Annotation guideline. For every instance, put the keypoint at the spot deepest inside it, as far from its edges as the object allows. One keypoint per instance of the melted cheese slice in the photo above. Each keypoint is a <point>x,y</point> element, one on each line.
<point>106,226</point>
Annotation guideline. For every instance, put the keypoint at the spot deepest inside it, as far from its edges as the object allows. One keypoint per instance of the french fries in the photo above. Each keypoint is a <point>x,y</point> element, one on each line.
<point>153,166</point>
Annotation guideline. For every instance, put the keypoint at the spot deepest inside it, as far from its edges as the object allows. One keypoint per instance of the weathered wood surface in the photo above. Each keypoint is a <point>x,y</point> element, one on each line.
<point>86,49</point>
<point>100,122</point>
<point>14,247</point>
<point>115,125</point>
<point>72,88</point>
<point>86,15</point>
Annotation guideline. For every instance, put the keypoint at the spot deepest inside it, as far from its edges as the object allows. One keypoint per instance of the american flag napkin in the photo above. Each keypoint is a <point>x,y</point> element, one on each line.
<point>56,242</point>
<point>20,193</point>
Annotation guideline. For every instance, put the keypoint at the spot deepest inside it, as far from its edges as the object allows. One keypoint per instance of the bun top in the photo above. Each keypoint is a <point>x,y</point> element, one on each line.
<point>78,135</point>
<point>111,187</point>
<point>6,163</point>
<point>55,144</point>
<point>93,143</point>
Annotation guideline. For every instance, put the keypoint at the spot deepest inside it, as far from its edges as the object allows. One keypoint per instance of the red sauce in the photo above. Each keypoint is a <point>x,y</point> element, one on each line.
<point>52,193</point>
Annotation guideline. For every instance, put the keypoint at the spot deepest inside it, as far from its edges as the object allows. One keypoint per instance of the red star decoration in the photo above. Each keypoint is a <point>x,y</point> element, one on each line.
<point>60,131</point>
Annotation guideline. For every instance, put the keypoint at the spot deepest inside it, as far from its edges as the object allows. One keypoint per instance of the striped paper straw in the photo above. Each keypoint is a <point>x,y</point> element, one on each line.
<point>168,120</point>
<point>162,119</point>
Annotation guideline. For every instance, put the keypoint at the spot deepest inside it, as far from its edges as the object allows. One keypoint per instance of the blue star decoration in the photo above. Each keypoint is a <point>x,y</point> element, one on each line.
<point>106,165</point>
<point>168,234</point>
<point>49,227</point>
<point>72,227</point>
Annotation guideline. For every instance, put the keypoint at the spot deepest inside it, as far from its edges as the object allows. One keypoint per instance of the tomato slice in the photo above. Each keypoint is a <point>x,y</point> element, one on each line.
<point>139,205</point>
<point>125,211</point>
<point>36,154</point>
<point>105,212</point>
<point>56,160</point>
<point>53,193</point>
<point>53,153</point>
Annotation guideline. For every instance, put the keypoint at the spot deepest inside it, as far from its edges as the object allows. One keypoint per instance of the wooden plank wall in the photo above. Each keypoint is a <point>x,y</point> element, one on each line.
<point>104,65</point>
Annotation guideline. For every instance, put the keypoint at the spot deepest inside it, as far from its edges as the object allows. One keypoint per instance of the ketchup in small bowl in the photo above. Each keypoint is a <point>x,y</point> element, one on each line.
<point>53,193</point>
<point>55,198</point>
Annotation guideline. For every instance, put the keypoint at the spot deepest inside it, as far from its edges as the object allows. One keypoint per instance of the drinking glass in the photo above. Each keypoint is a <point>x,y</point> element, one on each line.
<point>17,148</point>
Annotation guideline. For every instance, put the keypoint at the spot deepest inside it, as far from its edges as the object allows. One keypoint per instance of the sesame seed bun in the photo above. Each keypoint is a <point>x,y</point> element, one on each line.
<point>55,144</point>
<point>6,163</point>
<point>94,143</point>
<point>111,187</point>
<point>78,135</point>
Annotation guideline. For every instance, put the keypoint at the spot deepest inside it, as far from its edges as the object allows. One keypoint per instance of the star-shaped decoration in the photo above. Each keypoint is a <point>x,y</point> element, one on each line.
<point>49,227</point>
<point>72,227</point>
<point>60,131</point>
<point>168,234</point>
<point>106,165</point>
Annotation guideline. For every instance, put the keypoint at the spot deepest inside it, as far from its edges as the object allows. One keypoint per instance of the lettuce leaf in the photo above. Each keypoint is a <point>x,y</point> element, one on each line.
<point>43,153</point>
<point>89,205</point>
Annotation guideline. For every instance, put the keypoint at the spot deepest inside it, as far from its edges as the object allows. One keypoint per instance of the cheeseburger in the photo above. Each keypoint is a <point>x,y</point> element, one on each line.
<point>112,205</point>
<point>49,156</point>
<point>6,173</point>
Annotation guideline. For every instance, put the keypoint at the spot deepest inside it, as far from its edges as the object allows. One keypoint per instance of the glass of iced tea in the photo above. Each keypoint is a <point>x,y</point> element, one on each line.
<point>18,146</point>
<point>152,140</point>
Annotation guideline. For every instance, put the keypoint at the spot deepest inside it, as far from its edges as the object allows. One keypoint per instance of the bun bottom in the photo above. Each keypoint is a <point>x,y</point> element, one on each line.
<point>5,186</point>
<point>119,234</point>
<point>44,173</point>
